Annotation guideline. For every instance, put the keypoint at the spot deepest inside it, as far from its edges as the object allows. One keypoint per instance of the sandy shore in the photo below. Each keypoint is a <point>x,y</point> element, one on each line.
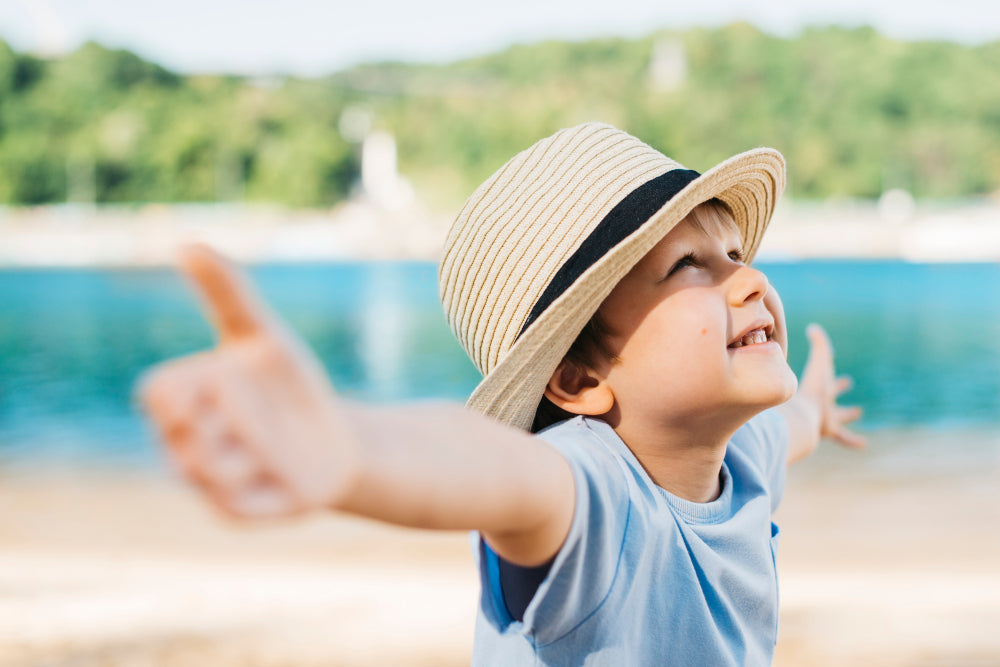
<point>887,559</point>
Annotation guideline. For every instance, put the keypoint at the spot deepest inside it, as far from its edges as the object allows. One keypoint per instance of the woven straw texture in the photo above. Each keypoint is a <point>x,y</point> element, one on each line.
<point>521,225</point>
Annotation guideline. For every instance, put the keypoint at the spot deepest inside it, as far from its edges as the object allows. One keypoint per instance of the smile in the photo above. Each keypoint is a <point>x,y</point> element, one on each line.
<point>753,337</point>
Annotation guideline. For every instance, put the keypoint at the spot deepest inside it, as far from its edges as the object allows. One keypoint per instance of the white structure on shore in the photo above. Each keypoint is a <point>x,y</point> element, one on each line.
<point>380,181</point>
<point>668,65</point>
<point>381,184</point>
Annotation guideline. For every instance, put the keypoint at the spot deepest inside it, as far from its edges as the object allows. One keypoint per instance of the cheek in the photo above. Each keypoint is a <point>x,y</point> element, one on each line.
<point>689,343</point>
<point>774,306</point>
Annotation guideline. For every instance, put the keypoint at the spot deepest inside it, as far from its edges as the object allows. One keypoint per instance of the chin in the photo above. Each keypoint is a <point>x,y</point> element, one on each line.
<point>784,389</point>
<point>791,386</point>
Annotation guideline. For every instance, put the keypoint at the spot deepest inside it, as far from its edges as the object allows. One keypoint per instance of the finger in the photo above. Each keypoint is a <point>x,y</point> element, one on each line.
<point>817,335</point>
<point>170,396</point>
<point>234,468</point>
<point>819,341</point>
<point>849,438</point>
<point>263,501</point>
<point>243,413</point>
<point>224,457</point>
<point>188,460</point>
<point>213,475</point>
<point>842,385</point>
<point>232,304</point>
<point>178,440</point>
<point>180,399</point>
<point>819,363</point>
<point>193,457</point>
<point>846,414</point>
<point>221,498</point>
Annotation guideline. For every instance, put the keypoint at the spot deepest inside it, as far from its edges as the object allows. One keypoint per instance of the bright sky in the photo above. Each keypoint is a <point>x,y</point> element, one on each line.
<point>312,37</point>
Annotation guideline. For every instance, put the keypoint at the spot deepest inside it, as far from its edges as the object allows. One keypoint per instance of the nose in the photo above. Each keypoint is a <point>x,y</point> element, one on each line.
<point>747,284</point>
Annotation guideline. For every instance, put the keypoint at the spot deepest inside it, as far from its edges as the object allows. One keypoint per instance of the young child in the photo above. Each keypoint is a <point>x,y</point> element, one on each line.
<point>605,293</point>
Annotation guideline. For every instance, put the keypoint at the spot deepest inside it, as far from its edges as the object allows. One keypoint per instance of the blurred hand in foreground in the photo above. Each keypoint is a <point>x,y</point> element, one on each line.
<point>245,420</point>
<point>256,424</point>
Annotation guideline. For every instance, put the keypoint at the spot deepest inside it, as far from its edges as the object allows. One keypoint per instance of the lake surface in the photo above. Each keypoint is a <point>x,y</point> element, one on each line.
<point>922,342</point>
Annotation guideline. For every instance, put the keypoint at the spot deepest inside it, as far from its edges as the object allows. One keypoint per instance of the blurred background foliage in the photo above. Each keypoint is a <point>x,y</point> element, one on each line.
<point>855,113</point>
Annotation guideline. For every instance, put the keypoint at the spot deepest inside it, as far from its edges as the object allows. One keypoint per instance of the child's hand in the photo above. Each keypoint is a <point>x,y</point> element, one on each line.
<point>254,422</point>
<point>820,384</point>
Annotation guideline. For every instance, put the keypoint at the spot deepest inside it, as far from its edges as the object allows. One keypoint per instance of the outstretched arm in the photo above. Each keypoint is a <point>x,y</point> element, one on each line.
<point>813,413</point>
<point>257,426</point>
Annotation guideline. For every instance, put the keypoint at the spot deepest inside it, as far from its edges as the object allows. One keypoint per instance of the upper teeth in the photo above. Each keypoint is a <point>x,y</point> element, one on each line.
<point>751,338</point>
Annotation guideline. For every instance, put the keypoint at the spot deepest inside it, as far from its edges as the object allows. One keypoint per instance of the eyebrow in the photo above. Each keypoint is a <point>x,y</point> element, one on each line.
<point>725,231</point>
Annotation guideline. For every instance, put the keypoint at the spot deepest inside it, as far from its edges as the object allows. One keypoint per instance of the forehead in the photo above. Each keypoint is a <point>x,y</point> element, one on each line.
<point>707,221</point>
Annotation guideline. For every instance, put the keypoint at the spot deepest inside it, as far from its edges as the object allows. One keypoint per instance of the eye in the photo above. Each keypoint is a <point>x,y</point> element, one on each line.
<point>736,255</point>
<point>684,262</point>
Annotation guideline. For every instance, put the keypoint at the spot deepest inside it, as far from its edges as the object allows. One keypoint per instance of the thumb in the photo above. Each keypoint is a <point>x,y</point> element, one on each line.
<point>232,305</point>
<point>820,360</point>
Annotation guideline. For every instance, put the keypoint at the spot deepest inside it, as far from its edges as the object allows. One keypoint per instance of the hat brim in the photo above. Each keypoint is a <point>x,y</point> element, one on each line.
<point>749,184</point>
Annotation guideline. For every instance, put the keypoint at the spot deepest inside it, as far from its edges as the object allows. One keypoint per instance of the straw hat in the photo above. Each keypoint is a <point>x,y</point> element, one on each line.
<point>537,248</point>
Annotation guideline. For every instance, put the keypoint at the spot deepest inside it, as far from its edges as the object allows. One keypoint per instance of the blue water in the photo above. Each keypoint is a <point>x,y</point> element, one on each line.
<point>921,341</point>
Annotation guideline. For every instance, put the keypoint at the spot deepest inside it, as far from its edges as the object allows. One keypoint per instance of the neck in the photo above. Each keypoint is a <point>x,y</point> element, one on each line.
<point>686,460</point>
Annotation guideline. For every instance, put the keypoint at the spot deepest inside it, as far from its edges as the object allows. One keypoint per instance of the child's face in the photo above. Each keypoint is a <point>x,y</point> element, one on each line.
<point>697,333</point>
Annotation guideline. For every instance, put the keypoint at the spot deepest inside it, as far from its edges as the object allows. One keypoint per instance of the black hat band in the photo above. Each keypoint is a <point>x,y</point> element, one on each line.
<point>625,218</point>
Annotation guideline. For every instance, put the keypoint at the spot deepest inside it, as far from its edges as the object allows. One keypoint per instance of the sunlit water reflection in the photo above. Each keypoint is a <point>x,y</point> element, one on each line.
<point>921,341</point>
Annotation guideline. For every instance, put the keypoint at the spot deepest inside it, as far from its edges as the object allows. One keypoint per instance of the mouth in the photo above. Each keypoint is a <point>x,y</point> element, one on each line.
<point>758,334</point>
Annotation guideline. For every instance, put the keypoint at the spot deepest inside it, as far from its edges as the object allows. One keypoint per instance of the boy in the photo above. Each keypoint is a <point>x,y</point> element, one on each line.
<point>638,531</point>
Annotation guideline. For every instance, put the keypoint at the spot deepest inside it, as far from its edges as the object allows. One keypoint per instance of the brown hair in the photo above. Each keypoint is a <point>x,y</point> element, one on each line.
<point>590,346</point>
<point>712,210</point>
<point>592,343</point>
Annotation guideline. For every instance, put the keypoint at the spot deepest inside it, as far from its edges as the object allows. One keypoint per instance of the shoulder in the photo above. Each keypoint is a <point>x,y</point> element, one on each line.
<point>581,437</point>
<point>584,570</point>
<point>595,452</point>
<point>605,488</point>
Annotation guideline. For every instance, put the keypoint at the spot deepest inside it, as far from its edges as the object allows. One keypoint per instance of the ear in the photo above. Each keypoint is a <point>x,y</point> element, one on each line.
<point>578,390</point>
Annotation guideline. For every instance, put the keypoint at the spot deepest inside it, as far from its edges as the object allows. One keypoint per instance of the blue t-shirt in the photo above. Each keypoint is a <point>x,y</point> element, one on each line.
<point>646,577</point>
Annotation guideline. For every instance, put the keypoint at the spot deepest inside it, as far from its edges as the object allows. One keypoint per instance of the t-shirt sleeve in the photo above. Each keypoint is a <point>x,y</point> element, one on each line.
<point>585,566</point>
<point>766,439</point>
